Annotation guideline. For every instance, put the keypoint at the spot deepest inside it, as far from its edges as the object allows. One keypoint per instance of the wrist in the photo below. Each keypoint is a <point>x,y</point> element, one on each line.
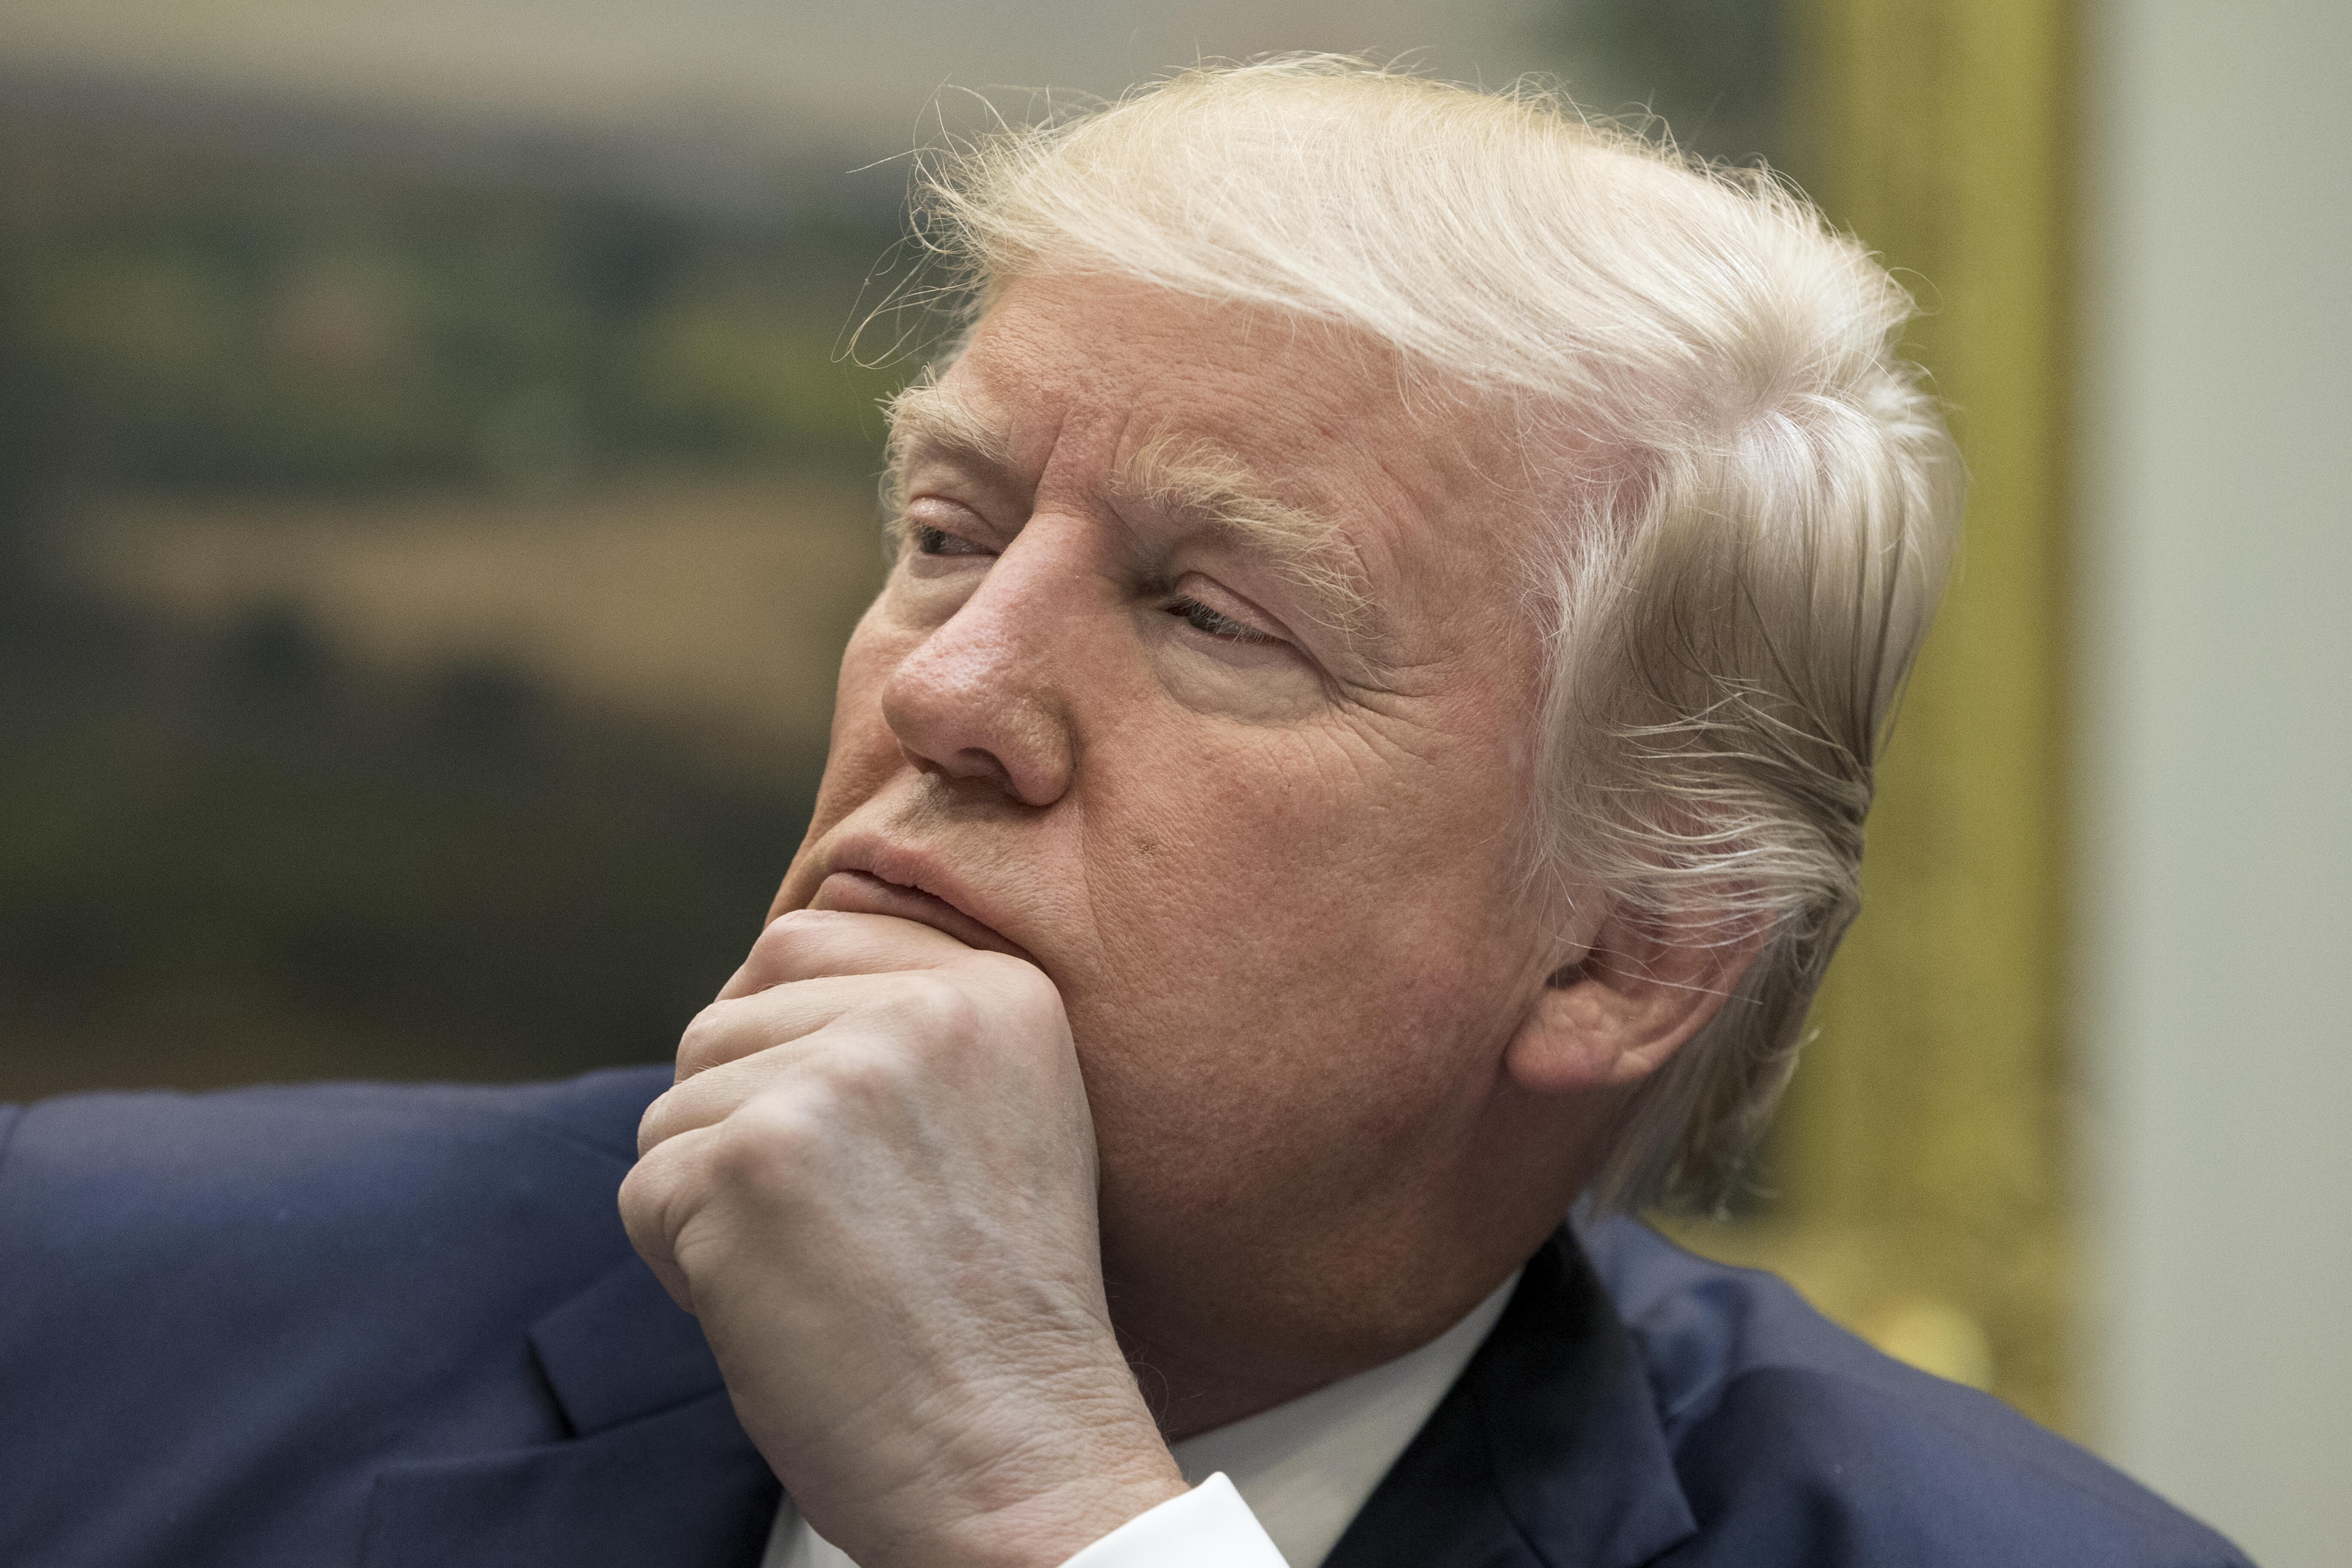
<point>1027,1478</point>
<point>1049,1526</point>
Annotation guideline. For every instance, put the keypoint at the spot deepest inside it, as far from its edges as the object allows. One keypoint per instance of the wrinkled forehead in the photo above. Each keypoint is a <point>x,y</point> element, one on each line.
<point>1387,498</point>
<point>1223,362</point>
<point>1327,425</point>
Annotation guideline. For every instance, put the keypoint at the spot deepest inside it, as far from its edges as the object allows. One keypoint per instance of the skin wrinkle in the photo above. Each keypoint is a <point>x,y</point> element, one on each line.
<point>1193,478</point>
<point>1323,988</point>
<point>1187,480</point>
<point>1307,987</point>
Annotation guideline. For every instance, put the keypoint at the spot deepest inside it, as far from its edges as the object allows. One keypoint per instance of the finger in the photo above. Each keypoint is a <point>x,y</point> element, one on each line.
<point>804,944</point>
<point>733,1027</point>
<point>656,1199</point>
<point>735,1049</point>
<point>711,1097</point>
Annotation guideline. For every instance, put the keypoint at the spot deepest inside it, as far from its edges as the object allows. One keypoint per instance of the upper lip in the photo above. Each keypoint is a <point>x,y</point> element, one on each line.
<point>916,869</point>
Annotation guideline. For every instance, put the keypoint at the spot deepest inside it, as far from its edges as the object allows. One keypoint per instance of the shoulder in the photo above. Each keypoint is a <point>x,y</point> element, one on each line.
<point>279,1287</point>
<point>1795,1441</point>
<point>305,1189</point>
<point>277,1127</point>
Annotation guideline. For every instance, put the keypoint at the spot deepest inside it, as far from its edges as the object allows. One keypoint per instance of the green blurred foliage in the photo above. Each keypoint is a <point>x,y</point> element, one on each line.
<point>232,323</point>
<point>512,888</point>
<point>228,855</point>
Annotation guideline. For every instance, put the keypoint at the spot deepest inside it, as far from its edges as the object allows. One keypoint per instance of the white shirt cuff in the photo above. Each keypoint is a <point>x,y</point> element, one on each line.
<point>1209,1524</point>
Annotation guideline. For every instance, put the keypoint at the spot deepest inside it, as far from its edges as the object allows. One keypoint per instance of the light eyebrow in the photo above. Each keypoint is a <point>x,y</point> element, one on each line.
<point>1196,478</point>
<point>927,416</point>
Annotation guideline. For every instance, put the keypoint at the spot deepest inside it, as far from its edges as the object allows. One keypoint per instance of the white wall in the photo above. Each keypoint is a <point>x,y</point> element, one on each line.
<point>2216,776</point>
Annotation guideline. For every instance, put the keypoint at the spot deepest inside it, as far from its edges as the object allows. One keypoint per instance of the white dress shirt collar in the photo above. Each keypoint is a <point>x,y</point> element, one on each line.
<point>1307,1468</point>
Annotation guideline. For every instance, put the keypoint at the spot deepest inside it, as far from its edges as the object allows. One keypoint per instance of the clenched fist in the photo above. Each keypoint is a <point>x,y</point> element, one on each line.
<point>874,1183</point>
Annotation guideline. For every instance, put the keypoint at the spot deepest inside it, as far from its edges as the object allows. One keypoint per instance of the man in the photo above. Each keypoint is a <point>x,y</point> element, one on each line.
<point>1365,741</point>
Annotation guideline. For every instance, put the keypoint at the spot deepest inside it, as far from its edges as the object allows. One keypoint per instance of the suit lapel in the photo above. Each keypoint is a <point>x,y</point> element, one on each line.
<point>1545,1451</point>
<point>622,1350</point>
<point>657,1468</point>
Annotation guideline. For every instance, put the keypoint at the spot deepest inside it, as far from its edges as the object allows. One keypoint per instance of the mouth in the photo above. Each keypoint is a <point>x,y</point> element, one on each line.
<point>860,891</point>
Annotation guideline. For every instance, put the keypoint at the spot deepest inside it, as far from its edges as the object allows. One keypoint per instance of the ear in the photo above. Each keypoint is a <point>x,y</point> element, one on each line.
<point>1614,1015</point>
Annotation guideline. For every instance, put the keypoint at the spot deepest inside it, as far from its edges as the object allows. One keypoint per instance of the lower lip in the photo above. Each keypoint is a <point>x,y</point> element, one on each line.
<point>863,893</point>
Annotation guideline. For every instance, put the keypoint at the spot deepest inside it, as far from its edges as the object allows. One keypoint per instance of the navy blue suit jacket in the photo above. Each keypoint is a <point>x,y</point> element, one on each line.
<point>401,1326</point>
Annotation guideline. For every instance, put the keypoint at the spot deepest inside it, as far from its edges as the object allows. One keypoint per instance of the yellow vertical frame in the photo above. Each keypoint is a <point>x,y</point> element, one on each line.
<point>1920,1164</point>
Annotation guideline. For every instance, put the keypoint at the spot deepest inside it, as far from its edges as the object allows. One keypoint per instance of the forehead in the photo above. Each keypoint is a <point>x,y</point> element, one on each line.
<point>1072,383</point>
<point>1094,349</point>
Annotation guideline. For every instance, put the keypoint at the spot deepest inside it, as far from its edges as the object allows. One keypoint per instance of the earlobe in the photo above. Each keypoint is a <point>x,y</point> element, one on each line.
<point>1612,1016</point>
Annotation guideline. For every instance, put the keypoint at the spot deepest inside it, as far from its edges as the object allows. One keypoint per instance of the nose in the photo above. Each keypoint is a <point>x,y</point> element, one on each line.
<point>980,697</point>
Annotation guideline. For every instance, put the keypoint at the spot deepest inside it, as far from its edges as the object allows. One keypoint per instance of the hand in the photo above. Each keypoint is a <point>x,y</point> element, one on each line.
<point>875,1184</point>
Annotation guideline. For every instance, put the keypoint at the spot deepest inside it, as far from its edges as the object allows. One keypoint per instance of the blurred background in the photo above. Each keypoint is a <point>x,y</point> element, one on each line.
<point>436,478</point>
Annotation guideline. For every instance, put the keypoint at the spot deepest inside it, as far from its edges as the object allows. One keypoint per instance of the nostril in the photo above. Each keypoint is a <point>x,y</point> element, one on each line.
<point>1018,747</point>
<point>978,698</point>
<point>973,762</point>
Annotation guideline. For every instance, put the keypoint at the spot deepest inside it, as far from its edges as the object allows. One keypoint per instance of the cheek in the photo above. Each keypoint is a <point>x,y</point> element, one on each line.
<point>859,731</point>
<point>862,753</point>
<point>1302,945</point>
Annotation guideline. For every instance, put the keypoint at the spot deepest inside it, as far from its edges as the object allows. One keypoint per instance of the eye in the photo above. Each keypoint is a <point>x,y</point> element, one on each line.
<point>930,541</point>
<point>1201,618</point>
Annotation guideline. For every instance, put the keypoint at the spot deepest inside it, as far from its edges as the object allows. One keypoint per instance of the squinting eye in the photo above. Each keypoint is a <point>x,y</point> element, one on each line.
<point>1201,618</point>
<point>930,541</point>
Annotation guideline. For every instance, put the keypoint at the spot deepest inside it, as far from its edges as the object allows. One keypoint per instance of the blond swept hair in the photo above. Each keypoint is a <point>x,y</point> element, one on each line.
<point>1746,504</point>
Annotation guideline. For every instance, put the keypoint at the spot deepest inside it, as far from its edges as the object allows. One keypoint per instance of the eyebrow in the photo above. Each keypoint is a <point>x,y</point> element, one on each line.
<point>927,416</point>
<point>1196,479</point>
<point>1189,478</point>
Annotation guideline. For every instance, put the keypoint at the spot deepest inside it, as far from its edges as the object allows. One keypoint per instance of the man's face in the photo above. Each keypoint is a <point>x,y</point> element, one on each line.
<point>1201,679</point>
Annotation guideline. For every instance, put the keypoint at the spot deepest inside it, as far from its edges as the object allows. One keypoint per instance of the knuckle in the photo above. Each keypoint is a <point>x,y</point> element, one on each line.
<point>649,1200</point>
<point>651,1131</point>
<point>857,1083</point>
<point>702,1043</point>
<point>936,1006</point>
<point>1022,986</point>
<point>634,1190</point>
<point>787,933</point>
<point>767,1142</point>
